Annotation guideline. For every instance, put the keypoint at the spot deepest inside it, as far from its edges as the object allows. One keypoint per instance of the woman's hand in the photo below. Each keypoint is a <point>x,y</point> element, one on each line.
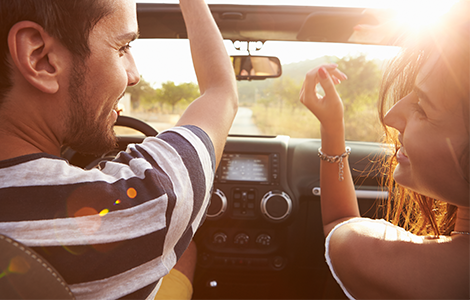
<point>329,108</point>
<point>338,198</point>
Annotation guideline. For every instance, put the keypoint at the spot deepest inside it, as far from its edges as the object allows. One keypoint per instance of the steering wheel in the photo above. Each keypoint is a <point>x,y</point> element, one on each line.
<point>136,124</point>
<point>129,122</point>
<point>123,121</point>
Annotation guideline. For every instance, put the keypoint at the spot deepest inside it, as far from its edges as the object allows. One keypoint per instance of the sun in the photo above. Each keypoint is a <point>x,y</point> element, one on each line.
<point>416,14</point>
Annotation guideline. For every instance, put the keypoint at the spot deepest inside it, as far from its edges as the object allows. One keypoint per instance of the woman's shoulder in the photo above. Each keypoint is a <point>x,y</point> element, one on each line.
<point>373,229</point>
<point>376,258</point>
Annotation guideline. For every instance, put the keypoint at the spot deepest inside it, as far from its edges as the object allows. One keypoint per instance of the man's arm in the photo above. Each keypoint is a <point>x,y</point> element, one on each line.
<point>215,110</point>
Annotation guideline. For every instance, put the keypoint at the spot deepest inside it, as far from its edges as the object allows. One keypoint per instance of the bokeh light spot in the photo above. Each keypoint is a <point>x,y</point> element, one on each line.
<point>91,223</point>
<point>131,193</point>
<point>75,250</point>
<point>85,211</point>
<point>18,265</point>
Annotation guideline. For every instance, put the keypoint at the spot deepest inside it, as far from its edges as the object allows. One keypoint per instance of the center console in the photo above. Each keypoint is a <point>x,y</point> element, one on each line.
<point>250,209</point>
<point>250,181</point>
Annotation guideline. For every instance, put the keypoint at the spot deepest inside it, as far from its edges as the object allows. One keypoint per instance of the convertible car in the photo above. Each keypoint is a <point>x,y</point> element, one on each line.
<point>263,237</point>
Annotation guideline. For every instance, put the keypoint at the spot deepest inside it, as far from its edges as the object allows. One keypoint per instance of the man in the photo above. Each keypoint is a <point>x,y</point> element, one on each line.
<point>113,232</point>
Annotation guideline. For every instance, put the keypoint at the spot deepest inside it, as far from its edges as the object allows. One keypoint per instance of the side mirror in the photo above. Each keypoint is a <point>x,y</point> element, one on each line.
<point>256,67</point>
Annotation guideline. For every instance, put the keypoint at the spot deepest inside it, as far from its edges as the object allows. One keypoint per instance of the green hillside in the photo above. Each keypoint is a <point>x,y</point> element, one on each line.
<point>249,91</point>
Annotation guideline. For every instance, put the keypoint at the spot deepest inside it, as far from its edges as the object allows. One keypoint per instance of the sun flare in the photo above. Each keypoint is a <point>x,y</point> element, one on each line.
<point>416,15</point>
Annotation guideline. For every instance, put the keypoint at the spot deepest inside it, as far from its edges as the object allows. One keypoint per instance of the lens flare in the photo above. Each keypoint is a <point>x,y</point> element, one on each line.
<point>417,15</point>
<point>131,193</point>
<point>18,265</point>
<point>85,211</point>
<point>90,224</point>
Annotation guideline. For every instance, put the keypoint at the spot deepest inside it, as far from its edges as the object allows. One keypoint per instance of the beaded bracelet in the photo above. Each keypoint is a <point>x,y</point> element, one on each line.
<point>336,159</point>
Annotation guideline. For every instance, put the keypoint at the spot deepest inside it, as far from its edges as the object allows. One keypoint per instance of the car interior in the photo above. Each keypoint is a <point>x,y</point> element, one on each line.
<point>263,236</point>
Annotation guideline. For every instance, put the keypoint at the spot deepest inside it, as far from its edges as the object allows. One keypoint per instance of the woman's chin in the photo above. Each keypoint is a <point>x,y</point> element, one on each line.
<point>402,176</point>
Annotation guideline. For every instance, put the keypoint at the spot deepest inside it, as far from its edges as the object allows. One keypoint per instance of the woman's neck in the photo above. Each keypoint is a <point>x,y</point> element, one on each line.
<point>462,223</point>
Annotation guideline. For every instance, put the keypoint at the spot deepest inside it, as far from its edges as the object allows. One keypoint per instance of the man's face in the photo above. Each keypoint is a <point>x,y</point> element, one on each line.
<point>97,84</point>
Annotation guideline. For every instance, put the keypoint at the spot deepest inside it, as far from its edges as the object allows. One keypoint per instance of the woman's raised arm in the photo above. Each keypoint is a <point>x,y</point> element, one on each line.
<point>338,198</point>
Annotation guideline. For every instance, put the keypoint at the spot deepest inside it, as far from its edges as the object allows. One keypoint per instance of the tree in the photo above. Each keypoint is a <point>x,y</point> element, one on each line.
<point>288,89</point>
<point>172,94</point>
<point>364,78</point>
<point>360,94</point>
<point>142,92</point>
<point>282,91</point>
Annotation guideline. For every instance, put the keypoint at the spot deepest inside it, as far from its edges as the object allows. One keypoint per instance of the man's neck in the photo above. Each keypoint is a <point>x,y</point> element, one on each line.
<point>18,139</point>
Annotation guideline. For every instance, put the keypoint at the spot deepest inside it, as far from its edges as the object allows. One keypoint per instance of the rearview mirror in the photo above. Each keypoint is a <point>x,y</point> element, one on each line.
<point>256,67</point>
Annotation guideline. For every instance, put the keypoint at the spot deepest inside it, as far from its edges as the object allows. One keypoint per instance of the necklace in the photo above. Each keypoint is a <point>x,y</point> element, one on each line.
<point>459,232</point>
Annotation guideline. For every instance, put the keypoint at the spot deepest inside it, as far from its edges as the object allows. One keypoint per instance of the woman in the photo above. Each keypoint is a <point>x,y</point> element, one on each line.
<point>427,87</point>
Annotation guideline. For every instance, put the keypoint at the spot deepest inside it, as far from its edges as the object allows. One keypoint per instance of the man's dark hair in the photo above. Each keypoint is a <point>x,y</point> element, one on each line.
<point>69,21</point>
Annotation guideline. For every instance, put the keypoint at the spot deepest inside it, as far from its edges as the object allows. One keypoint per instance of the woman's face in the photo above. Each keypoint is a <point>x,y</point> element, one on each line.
<point>433,137</point>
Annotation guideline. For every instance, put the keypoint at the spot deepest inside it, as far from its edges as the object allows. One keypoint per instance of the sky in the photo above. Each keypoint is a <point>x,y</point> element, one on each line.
<point>416,5</point>
<point>342,3</point>
<point>161,60</point>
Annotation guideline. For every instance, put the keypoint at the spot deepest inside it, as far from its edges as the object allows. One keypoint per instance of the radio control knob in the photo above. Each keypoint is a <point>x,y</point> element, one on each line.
<point>218,204</point>
<point>276,206</point>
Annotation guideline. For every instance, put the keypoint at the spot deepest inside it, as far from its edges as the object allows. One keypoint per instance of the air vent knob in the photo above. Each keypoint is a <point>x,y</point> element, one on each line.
<point>241,239</point>
<point>219,238</point>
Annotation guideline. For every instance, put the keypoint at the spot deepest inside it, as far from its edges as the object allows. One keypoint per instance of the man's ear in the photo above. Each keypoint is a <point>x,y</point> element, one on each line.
<point>38,56</point>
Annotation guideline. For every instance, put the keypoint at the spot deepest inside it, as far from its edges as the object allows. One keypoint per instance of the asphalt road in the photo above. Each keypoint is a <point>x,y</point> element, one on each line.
<point>243,123</point>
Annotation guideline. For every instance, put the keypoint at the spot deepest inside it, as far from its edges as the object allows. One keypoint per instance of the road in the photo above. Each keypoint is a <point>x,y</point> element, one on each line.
<point>243,123</point>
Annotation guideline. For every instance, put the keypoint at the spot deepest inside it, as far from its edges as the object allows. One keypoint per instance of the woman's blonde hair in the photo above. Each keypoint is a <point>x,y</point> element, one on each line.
<point>418,213</point>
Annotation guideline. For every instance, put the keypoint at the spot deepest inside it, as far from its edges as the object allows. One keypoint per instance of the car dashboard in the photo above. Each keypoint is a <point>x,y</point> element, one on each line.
<point>263,235</point>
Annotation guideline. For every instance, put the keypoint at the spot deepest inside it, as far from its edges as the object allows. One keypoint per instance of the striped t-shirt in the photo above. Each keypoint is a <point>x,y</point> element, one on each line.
<point>115,231</point>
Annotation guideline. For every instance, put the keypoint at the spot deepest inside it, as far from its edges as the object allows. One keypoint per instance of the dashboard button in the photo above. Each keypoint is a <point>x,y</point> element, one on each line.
<point>278,262</point>
<point>237,195</point>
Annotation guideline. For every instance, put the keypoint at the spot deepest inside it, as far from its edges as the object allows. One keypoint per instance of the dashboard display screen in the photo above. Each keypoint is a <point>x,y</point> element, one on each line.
<point>244,167</point>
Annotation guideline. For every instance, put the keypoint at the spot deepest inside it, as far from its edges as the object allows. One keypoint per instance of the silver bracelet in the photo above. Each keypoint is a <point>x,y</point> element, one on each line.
<point>336,159</point>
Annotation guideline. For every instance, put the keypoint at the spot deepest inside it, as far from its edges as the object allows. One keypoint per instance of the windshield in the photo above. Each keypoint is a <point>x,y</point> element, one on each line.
<point>271,106</point>
<point>399,4</point>
<point>267,107</point>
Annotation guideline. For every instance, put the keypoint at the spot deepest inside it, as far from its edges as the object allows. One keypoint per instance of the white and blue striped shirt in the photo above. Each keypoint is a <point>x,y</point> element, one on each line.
<point>115,231</point>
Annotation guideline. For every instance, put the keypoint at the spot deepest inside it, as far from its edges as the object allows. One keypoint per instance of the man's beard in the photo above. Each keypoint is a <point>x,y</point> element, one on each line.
<point>85,133</point>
